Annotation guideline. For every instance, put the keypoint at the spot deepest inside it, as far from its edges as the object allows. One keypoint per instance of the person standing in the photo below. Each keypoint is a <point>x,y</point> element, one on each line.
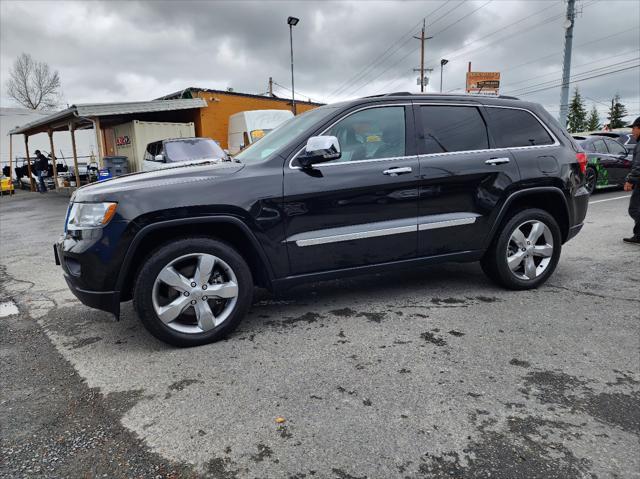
<point>632,183</point>
<point>42,170</point>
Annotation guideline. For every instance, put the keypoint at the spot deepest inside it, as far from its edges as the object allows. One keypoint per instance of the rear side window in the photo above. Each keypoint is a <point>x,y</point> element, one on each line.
<point>452,128</point>
<point>516,128</point>
<point>615,148</point>
<point>599,146</point>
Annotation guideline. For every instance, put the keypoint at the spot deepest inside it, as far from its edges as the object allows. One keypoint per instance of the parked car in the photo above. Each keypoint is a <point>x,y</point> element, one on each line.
<point>379,183</point>
<point>173,151</point>
<point>608,162</point>
<point>626,139</point>
<point>247,127</point>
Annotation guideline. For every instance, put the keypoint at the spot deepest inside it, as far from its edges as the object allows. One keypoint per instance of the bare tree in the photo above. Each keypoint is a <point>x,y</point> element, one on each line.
<point>33,84</point>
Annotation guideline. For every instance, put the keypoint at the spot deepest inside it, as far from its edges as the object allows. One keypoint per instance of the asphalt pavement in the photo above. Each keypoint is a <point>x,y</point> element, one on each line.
<point>432,373</point>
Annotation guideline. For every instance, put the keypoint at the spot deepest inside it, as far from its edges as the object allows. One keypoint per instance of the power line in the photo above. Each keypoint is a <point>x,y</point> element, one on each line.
<point>410,52</point>
<point>380,58</point>
<point>464,50</point>
<point>366,80</point>
<point>297,92</point>
<point>577,66</point>
<point>581,79</point>
<point>518,90</point>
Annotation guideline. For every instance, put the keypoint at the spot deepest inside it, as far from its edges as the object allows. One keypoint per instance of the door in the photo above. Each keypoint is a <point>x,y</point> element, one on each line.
<point>361,209</point>
<point>620,162</point>
<point>461,179</point>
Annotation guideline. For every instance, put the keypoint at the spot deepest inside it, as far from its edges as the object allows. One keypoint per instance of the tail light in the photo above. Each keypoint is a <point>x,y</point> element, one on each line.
<point>582,161</point>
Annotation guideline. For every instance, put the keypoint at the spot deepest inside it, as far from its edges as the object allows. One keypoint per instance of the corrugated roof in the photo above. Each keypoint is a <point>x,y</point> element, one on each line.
<point>189,90</point>
<point>108,109</point>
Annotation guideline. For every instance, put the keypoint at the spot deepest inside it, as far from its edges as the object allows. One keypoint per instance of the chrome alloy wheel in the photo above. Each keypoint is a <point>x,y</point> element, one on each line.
<point>529,250</point>
<point>195,293</point>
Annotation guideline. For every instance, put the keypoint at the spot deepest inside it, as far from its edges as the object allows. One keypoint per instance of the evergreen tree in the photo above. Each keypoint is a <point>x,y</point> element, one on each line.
<point>616,113</point>
<point>577,117</point>
<point>593,122</point>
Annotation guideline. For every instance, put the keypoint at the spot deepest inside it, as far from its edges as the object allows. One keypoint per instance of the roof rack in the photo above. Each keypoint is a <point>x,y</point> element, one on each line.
<point>406,93</point>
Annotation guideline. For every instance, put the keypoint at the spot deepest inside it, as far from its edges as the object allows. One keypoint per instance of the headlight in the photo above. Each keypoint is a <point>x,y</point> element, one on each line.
<point>90,215</point>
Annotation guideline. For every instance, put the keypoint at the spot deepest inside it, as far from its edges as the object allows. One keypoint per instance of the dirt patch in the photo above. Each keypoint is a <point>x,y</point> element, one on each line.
<point>518,362</point>
<point>433,339</point>
<point>373,317</point>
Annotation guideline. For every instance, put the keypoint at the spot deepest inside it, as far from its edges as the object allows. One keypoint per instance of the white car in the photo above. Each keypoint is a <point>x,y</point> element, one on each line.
<point>176,151</point>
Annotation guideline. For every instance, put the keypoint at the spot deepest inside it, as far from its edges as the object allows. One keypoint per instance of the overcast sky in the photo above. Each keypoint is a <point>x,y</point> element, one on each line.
<point>130,51</point>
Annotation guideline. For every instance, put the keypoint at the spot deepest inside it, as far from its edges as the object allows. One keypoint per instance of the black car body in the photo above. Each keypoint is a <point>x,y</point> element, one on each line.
<point>608,162</point>
<point>420,179</point>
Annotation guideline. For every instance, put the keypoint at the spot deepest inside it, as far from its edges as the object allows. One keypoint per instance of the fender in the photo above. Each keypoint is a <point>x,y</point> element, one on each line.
<point>518,194</point>
<point>182,221</point>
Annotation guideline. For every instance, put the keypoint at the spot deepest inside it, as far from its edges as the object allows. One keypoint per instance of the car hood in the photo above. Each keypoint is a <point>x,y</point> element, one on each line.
<point>183,174</point>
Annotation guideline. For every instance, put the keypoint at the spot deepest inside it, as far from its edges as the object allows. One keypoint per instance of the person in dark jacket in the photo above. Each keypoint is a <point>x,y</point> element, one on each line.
<point>632,183</point>
<point>41,165</point>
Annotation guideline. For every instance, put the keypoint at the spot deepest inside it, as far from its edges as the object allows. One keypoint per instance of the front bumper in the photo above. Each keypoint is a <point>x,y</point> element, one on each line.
<point>108,301</point>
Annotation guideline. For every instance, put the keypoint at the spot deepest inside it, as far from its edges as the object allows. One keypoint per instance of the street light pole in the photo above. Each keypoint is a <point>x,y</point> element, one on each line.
<point>292,21</point>
<point>443,62</point>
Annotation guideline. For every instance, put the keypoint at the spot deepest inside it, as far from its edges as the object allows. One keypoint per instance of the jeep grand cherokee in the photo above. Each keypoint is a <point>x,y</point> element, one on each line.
<point>363,186</point>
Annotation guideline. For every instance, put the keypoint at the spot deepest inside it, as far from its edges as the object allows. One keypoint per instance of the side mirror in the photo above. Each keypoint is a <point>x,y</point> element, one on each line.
<point>159,158</point>
<point>320,149</point>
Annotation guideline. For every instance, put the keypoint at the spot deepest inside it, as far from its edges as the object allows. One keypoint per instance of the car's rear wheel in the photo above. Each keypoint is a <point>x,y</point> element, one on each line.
<point>591,179</point>
<point>525,251</point>
<point>193,291</point>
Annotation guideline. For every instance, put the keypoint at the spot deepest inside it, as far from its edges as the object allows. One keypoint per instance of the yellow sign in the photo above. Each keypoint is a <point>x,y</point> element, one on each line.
<point>483,83</point>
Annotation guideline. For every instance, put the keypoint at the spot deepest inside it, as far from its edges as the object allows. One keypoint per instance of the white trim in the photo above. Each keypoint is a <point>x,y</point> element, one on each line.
<point>358,235</point>
<point>335,238</point>
<point>446,223</point>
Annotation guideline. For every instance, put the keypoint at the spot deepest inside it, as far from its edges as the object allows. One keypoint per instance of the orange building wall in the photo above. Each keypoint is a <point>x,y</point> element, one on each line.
<point>213,120</point>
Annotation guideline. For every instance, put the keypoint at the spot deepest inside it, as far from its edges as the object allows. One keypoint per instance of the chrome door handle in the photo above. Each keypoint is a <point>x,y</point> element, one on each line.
<point>397,171</point>
<point>496,161</point>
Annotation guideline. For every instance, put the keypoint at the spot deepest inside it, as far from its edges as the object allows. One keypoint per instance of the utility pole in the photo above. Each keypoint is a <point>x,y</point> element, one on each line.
<point>566,68</point>
<point>422,39</point>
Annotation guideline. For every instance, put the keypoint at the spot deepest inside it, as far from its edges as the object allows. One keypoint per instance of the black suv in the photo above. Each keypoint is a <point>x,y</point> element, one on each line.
<point>391,181</point>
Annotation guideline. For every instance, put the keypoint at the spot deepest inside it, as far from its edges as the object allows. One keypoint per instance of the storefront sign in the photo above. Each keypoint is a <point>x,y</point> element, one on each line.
<point>483,83</point>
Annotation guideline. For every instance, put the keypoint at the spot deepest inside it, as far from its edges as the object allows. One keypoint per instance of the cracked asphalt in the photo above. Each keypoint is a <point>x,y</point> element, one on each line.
<point>432,373</point>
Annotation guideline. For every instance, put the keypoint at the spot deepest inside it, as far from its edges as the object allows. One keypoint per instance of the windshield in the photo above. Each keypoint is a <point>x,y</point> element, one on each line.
<point>193,149</point>
<point>283,134</point>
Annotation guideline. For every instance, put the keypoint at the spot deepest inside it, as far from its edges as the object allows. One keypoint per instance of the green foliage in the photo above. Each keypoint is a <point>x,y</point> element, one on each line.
<point>593,122</point>
<point>616,113</point>
<point>577,117</point>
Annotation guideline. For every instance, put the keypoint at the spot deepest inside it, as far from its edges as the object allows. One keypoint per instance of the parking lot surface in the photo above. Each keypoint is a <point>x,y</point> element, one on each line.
<point>433,373</point>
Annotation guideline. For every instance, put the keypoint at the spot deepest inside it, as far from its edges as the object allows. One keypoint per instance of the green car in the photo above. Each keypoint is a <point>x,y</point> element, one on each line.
<point>608,162</point>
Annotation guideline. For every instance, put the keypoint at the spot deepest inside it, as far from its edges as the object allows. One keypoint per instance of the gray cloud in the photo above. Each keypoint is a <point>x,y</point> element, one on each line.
<point>124,51</point>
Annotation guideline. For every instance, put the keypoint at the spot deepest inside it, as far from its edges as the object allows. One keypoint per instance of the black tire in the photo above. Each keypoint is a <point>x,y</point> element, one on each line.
<point>156,261</point>
<point>591,179</point>
<point>494,263</point>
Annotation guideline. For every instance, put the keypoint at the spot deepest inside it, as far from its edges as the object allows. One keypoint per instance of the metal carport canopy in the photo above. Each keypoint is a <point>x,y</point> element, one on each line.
<point>82,115</point>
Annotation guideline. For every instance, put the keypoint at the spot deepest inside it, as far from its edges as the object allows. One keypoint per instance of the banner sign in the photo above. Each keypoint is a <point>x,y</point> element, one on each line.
<point>483,83</point>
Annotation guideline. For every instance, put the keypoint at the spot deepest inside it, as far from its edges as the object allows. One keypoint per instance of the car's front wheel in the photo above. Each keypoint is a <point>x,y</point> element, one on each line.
<point>525,251</point>
<point>193,291</point>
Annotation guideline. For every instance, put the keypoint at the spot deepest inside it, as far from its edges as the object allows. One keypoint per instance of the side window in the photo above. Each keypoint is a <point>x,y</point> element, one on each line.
<point>452,128</point>
<point>515,128</point>
<point>371,134</point>
<point>599,146</point>
<point>615,148</point>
